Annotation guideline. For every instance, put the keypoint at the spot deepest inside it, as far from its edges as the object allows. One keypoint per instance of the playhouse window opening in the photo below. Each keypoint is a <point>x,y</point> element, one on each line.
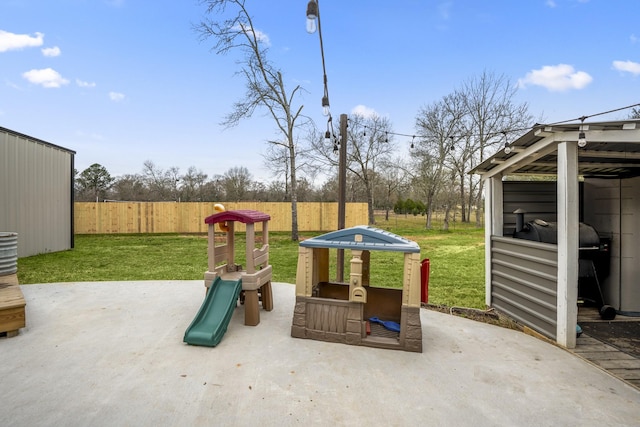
<point>386,268</point>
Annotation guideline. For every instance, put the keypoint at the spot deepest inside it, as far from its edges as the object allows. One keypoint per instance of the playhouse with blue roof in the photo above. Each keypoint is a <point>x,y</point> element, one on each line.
<point>357,312</point>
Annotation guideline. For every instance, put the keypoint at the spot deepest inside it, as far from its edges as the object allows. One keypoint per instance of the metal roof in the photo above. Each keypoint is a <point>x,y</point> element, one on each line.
<point>612,151</point>
<point>362,237</point>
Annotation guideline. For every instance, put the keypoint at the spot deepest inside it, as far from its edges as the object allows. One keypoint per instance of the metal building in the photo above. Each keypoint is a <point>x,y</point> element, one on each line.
<point>36,193</point>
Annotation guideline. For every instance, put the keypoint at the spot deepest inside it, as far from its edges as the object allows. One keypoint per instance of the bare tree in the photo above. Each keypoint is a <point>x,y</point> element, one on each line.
<point>491,113</point>
<point>393,178</point>
<point>162,185</point>
<point>192,188</point>
<point>238,184</point>
<point>438,126</point>
<point>129,188</point>
<point>265,87</point>
<point>370,142</point>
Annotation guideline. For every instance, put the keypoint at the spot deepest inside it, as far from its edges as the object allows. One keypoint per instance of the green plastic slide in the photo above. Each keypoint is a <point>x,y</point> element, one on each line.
<point>210,324</point>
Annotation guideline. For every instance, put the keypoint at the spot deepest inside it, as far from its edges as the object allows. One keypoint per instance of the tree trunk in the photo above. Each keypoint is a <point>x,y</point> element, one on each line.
<point>372,219</point>
<point>294,192</point>
<point>445,223</point>
<point>478,202</point>
<point>463,202</point>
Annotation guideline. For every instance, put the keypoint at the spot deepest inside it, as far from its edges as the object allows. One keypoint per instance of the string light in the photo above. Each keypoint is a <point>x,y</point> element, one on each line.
<point>507,148</point>
<point>582,138</point>
<point>581,135</point>
<point>325,105</point>
<point>313,15</point>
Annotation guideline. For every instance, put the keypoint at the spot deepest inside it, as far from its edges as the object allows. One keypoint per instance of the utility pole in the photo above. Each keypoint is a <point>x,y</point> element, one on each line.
<point>342,193</point>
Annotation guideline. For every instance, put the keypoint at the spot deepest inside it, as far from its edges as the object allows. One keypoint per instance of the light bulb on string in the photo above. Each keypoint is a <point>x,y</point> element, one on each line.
<point>412,138</point>
<point>325,105</point>
<point>507,148</point>
<point>582,138</point>
<point>312,15</point>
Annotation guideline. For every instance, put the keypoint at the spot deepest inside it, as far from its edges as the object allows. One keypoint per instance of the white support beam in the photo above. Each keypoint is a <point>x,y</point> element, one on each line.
<point>493,214</point>
<point>568,241</point>
<point>524,157</point>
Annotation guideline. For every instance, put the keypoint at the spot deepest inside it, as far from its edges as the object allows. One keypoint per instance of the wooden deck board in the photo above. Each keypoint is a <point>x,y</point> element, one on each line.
<point>607,357</point>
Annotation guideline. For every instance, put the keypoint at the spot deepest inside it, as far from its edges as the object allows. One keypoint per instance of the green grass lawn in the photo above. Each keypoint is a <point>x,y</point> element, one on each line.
<point>456,259</point>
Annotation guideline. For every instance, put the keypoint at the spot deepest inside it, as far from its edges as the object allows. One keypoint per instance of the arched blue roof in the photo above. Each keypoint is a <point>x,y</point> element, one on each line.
<point>362,237</point>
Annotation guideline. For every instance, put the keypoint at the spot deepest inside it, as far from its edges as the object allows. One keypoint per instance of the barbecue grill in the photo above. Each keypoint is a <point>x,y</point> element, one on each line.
<point>593,258</point>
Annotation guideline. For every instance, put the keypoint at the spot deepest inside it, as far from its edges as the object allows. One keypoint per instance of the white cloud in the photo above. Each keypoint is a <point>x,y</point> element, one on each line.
<point>633,39</point>
<point>116,96</point>
<point>11,41</point>
<point>628,66</point>
<point>82,83</point>
<point>556,78</point>
<point>51,51</point>
<point>551,3</point>
<point>46,77</point>
<point>364,111</point>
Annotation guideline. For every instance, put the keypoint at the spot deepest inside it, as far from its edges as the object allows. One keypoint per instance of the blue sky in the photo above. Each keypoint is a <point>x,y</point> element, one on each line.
<point>125,81</point>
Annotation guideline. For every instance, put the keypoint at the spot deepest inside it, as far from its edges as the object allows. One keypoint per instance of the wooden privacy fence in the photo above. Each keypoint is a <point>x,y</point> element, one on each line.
<point>173,217</point>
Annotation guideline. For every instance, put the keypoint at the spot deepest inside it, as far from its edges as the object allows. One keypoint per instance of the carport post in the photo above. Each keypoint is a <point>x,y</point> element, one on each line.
<point>568,241</point>
<point>493,220</point>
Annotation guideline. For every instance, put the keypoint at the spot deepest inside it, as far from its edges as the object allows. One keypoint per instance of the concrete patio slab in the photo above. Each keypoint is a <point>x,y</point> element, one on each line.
<point>111,354</point>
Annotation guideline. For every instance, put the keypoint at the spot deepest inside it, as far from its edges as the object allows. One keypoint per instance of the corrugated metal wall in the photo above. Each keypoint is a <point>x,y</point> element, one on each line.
<point>537,198</point>
<point>525,273</point>
<point>36,193</point>
<point>524,282</point>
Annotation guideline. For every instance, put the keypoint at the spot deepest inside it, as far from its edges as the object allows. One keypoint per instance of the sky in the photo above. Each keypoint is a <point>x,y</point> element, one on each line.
<point>121,82</point>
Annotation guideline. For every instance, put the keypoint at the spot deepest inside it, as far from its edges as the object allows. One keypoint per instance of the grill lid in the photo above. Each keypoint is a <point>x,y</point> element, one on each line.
<point>547,232</point>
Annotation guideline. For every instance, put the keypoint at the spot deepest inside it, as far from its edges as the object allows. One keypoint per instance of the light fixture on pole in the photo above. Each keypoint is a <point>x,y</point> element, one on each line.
<point>312,14</point>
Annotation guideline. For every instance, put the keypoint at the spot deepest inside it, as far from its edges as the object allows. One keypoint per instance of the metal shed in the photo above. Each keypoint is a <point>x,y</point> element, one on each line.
<point>599,183</point>
<point>36,193</point>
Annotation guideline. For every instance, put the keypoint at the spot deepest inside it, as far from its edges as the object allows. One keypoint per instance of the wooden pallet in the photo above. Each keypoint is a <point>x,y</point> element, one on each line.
<point>12,303</point>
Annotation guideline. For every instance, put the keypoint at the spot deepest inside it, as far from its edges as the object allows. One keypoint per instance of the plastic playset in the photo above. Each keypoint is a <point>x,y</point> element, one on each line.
<point>227,282</point>
<point>355,312</point>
